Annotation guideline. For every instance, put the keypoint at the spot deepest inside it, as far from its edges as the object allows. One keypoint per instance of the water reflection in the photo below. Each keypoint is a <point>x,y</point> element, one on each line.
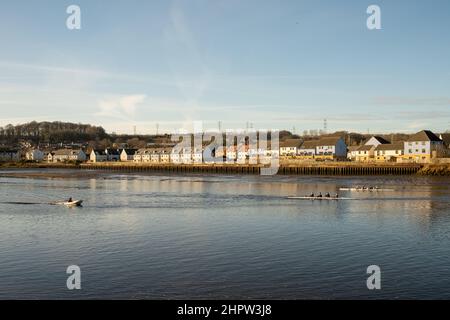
<point>164,236</point>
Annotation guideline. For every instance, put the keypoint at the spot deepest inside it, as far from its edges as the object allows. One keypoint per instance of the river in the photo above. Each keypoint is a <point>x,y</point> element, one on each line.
<point>222,237</point>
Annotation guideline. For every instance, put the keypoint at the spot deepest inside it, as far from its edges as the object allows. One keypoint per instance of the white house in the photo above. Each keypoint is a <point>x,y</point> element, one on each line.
<point>69,155</point>
<point>175,157</point>
<point>352,152</point>
<point>127,155</point>
<point>365,153</point>
<point>155,155</point>
<point>308,149</point>
<point>186,155</point>
<point>98,156</point>
<point>34,155</point>
<point>422,147</point>
<point>231,153</point>
<point>376,141</point>
<point>290,147</point>
<point>48,156</point>
<point>164,155</point>
<point>197,155</point>
<point>391,152</point>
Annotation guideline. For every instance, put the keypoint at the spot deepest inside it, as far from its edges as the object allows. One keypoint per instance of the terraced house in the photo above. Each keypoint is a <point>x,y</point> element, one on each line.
<point>308,150</point>
<point>423,147</point>
<point>331,148</point>
<point>366,152</point>
<point>391,152</point>
<point>9,155</point>
<point>290,147</point>
<point>64,155</point>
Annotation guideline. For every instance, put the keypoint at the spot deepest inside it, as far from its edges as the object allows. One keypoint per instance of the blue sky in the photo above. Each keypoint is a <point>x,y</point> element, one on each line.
<point>276,64</point>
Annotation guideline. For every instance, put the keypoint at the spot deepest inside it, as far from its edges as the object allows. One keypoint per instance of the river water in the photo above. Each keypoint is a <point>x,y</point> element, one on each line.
<point>224,237</point>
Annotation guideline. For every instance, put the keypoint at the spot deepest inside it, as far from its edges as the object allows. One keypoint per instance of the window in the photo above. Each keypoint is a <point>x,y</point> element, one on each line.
<point>423,151</point>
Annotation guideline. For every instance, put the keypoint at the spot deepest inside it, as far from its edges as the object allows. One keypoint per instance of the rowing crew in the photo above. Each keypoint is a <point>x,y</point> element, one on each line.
<point>366,188</point>
<point>327,195</point>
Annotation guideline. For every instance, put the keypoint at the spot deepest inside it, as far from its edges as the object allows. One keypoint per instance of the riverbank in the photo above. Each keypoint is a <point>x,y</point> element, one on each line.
<point>435,170</point>
<point>317,168</point>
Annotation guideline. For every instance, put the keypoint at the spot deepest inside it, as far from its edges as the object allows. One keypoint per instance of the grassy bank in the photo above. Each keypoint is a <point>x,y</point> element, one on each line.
<point>435,170</point>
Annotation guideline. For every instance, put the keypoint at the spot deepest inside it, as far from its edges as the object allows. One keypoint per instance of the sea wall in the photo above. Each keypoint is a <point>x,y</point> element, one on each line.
<point>334,168</point>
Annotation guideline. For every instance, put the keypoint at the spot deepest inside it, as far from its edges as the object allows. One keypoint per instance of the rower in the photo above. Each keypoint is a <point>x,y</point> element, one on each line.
<point>319,195</point>
<point>336,195</point>
<point>312,195</point>
<point>327,195</point>
<point>70,200</point>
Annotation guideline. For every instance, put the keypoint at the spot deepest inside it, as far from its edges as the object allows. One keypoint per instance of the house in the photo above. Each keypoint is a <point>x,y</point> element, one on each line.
<point>186,155</point>
<point>376,141</point>
<point>63,155</point>
<point>98,156</point>
<point>175,157</point>
<point>365,153</point>
<point>446,138</point>
<point>34,155</point>
<point>352,151</point>
<point>127,155</point>
<point>391,152</point>
<point>231,153</point>
<point>143,155</point>
<point>331,148</point>
<point>308,149</point>
<point>242,153</point>
<point>48,156</point>
<point>164,155</point>
<point>113,154</point>
<point>423,147</point>
<point>155,155</point>
<point>9,155</point>
<point>197,155</point>
<point>290,147</point>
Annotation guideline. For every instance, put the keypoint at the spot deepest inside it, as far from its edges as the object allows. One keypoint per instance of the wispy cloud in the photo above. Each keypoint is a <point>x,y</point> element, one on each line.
<point>412,101</point>
<point>120,107</point>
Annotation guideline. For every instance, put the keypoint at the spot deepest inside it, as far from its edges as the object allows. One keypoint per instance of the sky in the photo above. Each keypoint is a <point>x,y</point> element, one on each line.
<point>275,64</point>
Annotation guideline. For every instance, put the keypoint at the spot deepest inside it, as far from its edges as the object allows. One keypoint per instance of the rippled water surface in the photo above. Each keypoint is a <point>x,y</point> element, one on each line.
<point>144,236</point>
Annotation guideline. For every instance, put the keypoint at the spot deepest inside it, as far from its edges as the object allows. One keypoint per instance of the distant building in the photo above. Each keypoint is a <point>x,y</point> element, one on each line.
<point>34,155</point>
<point>290,147</point>
<point>113,154</point>
<point>331,148</point>
<point>48,156</point>
<point>98,156</point>
<point>127,155</point>
<point>422,147</point>
<point>197,155</point>
<point>376,141</point>
<point>9,155</point>
<point>365,153</point>
<point>391,152</point>
<point>445,137</point>
<point>308,149</point>
<point>63,155</point>
<point>352,152</point>
<point>164,156</point>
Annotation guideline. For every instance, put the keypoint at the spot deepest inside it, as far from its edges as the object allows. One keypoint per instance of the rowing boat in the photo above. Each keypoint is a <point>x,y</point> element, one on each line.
<point>320,198</point>
<point>367,189</point>
<point>76,203</point>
